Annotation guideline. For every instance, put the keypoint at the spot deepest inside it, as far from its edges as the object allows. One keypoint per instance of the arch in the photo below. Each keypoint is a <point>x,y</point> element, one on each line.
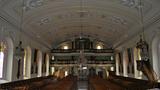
<point>47,64</point>
<point>27,63</point>
<point>39,62</point>
<point>155,54</point>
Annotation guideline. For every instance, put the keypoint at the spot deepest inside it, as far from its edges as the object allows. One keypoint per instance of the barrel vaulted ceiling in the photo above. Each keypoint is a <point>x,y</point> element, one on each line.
<point>54,21</point>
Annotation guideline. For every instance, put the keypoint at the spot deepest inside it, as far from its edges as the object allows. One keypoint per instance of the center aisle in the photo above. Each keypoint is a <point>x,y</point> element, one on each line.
<point>82,85</point>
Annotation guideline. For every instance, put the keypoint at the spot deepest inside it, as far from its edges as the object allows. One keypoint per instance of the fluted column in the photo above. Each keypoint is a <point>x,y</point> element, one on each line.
<point>125,63</point>
<point>117,64</point>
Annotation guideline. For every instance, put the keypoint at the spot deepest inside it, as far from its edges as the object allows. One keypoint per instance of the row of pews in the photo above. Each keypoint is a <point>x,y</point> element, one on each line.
<point>97,83</point>
<point>120,83</point>
<point>42,83</point>
<point>67,83</point>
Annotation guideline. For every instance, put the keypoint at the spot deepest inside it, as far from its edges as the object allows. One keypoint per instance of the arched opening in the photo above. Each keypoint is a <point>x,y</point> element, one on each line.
<point>2,48</point>
<point>155,54</point>
<point>47,64</point>
<point>27,63</point>
<point>39,62</point>
<point>1,63</point>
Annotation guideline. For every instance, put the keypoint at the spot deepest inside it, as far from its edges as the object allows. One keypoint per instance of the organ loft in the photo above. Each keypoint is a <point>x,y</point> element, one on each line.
<point>79,45</point>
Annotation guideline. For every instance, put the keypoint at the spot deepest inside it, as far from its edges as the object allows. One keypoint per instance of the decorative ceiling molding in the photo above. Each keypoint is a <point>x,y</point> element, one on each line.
<point>113,20</point>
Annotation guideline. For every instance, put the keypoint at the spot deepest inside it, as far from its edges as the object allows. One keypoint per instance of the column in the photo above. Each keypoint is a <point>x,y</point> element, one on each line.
<point>125,63</point>
<point>47,65</point>
<point>117,64</point>
<point>39,59</point>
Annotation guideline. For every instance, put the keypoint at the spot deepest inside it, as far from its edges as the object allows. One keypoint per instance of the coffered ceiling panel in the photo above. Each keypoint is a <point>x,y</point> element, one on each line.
<point>54,21</point>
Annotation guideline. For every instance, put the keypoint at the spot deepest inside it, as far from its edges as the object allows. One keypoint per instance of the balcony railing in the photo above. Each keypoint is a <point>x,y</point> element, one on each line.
<point>85,51</point>
<point>88,62</point>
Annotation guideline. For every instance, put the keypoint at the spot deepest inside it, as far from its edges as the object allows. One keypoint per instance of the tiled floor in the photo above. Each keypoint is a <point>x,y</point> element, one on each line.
<point>82,85</point>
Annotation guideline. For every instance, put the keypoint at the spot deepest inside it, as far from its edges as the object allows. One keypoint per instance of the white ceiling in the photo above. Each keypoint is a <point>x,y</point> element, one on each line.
<point>54,21</point>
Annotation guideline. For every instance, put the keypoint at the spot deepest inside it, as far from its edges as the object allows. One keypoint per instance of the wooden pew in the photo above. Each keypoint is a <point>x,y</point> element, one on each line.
<point>97,83</point>
<point>25,84</point>
<point>67,83</point>
<point>132,83</point>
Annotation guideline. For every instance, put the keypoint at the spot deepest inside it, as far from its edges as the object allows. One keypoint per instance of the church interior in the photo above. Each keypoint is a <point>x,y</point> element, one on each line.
<point>79,45</point>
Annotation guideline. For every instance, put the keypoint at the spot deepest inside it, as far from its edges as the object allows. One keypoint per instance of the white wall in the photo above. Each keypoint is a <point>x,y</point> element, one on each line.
<point>13,33</point>
<point>150,34</point>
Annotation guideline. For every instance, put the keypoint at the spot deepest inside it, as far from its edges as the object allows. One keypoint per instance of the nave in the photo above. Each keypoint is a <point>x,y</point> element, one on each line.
<point>79,44</point>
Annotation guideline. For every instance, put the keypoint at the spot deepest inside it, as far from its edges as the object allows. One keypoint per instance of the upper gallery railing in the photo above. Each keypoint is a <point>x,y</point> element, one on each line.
<point>75,62</point>
<point>85,51</point>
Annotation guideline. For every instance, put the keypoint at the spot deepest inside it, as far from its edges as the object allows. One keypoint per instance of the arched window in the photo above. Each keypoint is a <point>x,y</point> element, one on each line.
<point>1,63</point>
<point>2,48</point>
<point>6,59</point>
<point>99,47</point>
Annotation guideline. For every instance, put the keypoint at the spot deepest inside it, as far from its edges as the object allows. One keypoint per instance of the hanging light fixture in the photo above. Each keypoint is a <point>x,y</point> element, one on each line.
<point>19,50</point>
<point>19,53</point>
<point>81,16</point>
<point>144,64</point>
<point>142,44</point>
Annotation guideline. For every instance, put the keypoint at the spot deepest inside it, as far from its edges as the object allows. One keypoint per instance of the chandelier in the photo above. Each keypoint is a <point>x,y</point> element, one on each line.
<point>19,53</point>
<point>142,45</point>
<point>82,60</point>
<point>144,64</point>
<point>19,50</point>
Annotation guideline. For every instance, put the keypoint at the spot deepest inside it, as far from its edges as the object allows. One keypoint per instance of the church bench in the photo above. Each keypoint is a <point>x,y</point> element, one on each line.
<point>23,83</point>
<point>97,83</point>
<point>67,83</point>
